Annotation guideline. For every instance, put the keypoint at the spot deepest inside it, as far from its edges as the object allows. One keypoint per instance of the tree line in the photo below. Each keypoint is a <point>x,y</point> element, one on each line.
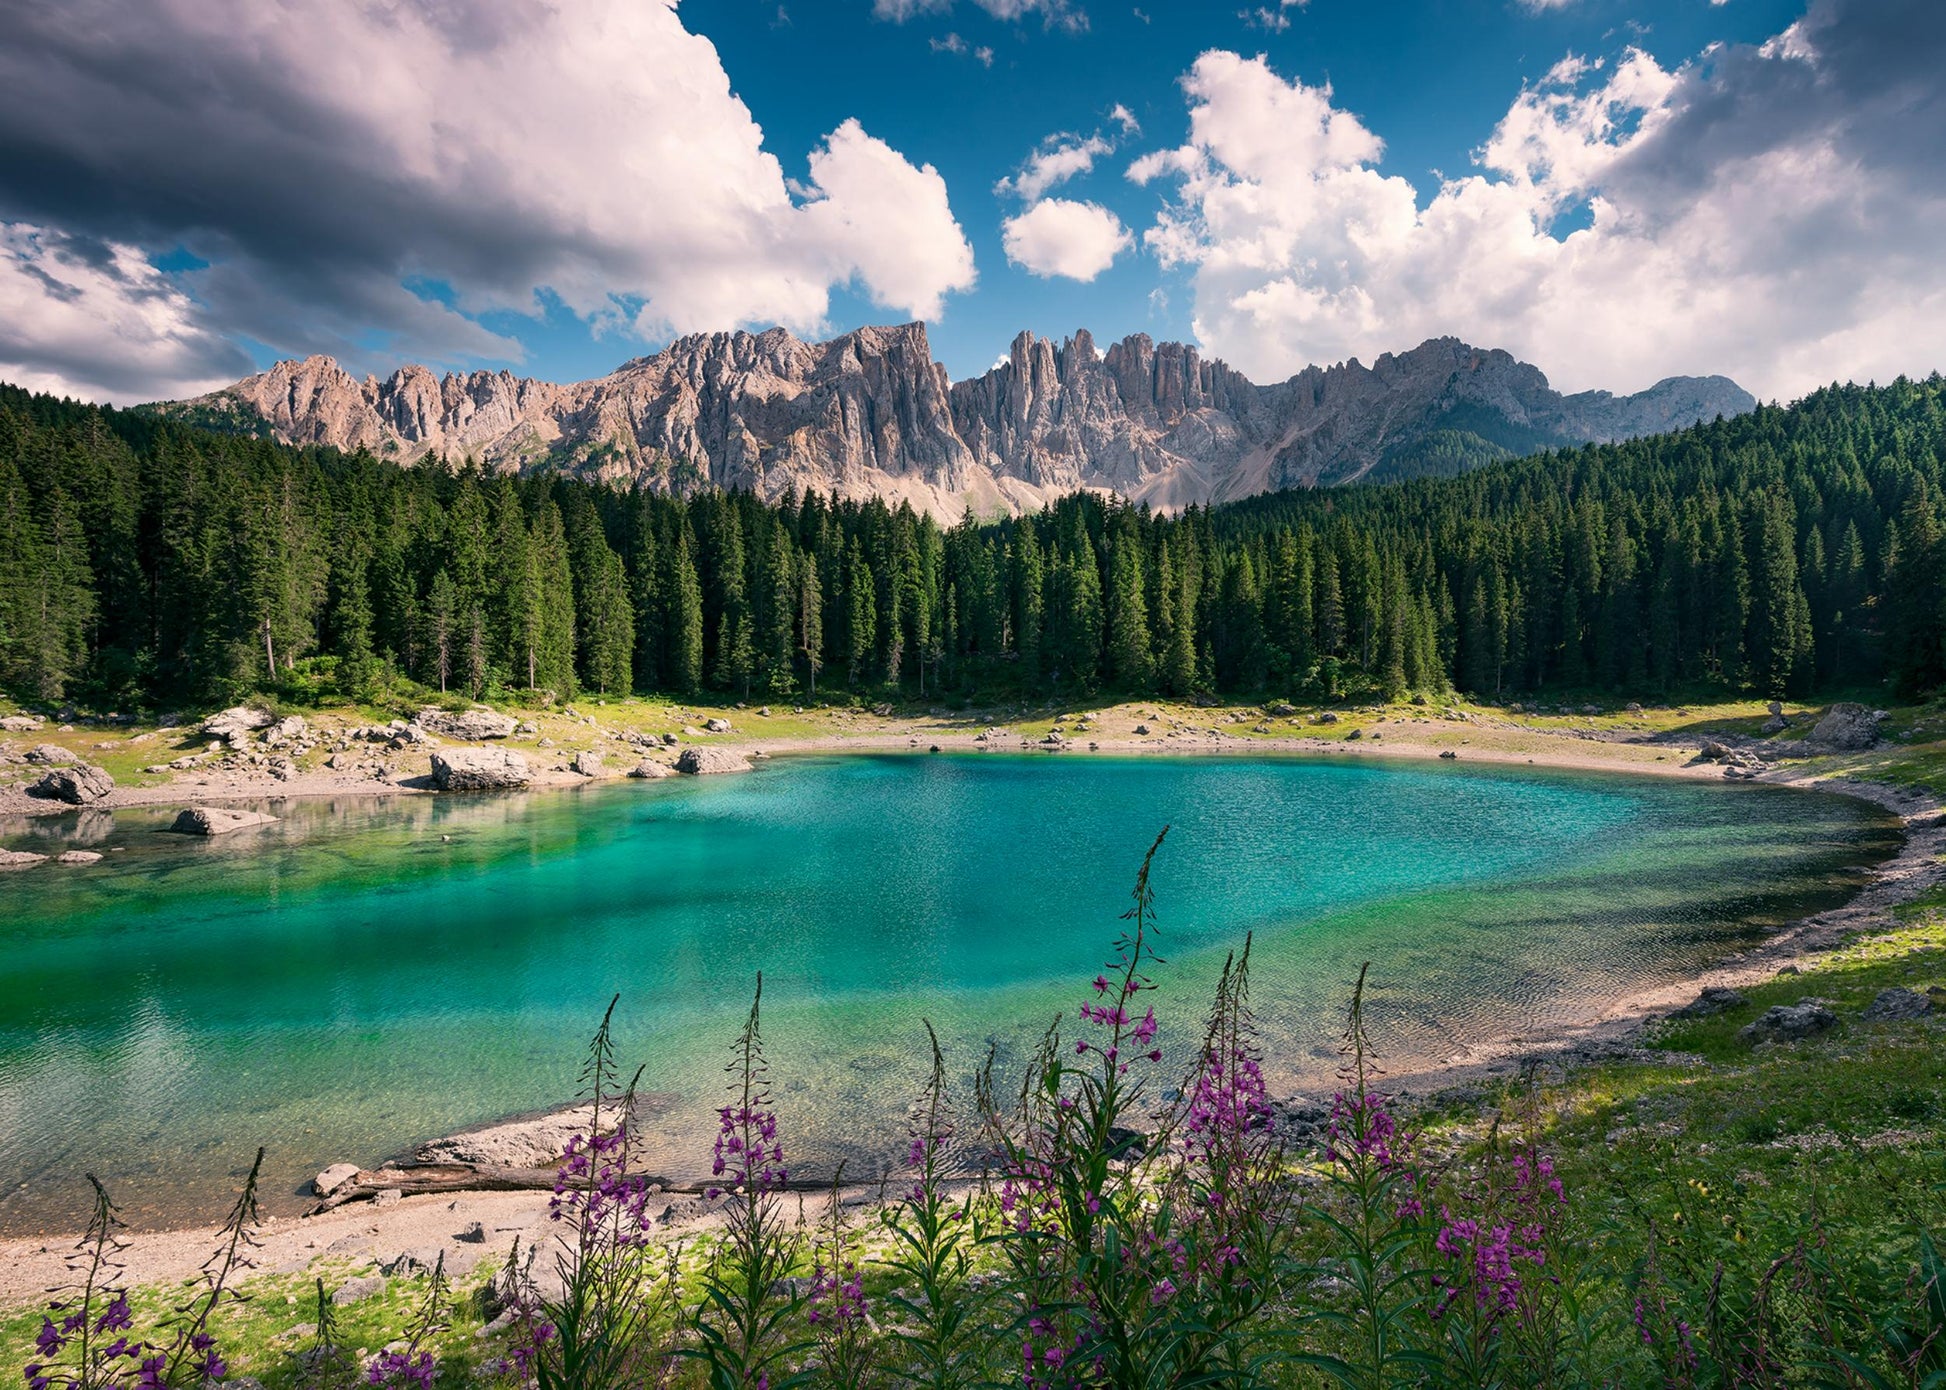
<point>1791,550</point>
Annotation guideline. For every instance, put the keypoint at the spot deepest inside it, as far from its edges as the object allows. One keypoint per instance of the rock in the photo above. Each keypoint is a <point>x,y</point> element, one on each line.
<point>647,770</point>
<point>764,713</point>
<point>388,1197</point>
<point>20,724</point>
<point>474,1234</point>
<point>1713,1000</point>
<point>11,859</point>
<point>78,785</point>
<point>479,769</point>
<point>77,857</point>
<point>1632,708</point>
<point>1776,724</point>
<point>1054,739</point>
<point>218,820</point>
<point>1280,709</point>
<point>526,729</point>
<point>1449,753</point>
<point>1328,717</point>
<point>287,729</point>
<point>1896,1004</point>
<point>670,740</point>
<point>1712,751</point>
<point>533,1143</point>
<point>586,764</point>
<point>1789,1022</point>
<point>1139,728</point>
<point>1776,709</point>
<point>333,1178</point>
<point>238,719</point>
<point>1354,734</point>
<point>699,762</point>
<point>51,755</point>
<point>358,1290</point>
<point>1847,727</point>
<point>1159,422</point>
<point>717,726</point>
<point>473,725</point>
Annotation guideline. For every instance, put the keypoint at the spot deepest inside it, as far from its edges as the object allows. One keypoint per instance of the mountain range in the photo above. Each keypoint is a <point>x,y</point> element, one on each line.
<point>870,413</point>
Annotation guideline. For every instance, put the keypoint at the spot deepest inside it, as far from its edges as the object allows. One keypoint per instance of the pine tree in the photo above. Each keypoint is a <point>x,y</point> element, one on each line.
<point>810,621</point>
<point>1129,664</point>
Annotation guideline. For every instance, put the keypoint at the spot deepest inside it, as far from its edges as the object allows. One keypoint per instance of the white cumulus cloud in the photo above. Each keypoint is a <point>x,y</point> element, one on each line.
<point>1769,212</point>
<point>1060,237</point>
<point>497,155</point>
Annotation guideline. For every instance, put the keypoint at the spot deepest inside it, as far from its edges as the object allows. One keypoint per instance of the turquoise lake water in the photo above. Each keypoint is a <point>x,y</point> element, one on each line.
<point>367,974</point>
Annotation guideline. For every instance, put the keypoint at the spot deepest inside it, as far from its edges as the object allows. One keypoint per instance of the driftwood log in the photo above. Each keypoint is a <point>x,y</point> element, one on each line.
<point>413,1179</point>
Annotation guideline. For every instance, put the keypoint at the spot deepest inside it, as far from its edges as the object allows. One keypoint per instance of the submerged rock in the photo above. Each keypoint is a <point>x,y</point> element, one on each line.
<point>11,859</point>
<point>218,820</point>
<point>77,857</point>
<point>699,762</point>
<point>1789,1022</point>
<point>77,785</point>
<point>479,769</point>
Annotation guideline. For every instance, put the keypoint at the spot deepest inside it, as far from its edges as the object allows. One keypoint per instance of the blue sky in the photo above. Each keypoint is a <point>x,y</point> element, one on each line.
<point>1616,191</point>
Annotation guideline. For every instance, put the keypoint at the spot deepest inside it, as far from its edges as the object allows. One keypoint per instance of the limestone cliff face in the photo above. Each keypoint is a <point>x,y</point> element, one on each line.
<point>872,414</point>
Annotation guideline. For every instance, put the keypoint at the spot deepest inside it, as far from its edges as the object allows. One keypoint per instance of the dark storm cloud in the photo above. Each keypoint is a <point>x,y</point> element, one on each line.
<point>1863,76</point>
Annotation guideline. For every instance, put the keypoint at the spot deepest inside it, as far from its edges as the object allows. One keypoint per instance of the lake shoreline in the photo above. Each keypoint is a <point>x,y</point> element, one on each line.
<point>1613,1027</point>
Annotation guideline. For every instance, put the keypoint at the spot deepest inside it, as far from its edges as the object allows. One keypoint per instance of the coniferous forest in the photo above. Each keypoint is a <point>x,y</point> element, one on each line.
<point>1789,551</point>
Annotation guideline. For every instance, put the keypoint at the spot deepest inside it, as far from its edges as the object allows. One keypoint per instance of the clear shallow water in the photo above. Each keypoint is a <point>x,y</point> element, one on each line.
<point>366,975</point>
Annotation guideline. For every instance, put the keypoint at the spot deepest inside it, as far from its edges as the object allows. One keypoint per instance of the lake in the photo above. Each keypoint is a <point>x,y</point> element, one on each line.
<point>373,972</point>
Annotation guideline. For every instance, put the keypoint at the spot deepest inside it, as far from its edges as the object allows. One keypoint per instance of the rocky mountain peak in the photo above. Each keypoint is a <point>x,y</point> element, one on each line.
<point>870,413</point>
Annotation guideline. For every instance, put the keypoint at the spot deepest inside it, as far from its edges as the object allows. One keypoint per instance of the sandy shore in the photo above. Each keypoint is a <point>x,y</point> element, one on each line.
<point>364,1233</point>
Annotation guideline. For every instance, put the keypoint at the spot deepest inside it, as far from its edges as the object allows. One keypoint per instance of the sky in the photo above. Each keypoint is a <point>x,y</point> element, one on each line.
<point>1614,190</point>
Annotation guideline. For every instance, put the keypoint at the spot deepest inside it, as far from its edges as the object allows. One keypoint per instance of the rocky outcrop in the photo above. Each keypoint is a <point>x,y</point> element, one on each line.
<point>237,720</point>
<point>217,820</point>
<point>1785,1023</point>
<point>479,769</point>
<point>701,762</point>
<point>471,726</point>
<point>870,413</point>
<point>1895,1004</point>
<point>1848,727</point>
<point>78,785</point>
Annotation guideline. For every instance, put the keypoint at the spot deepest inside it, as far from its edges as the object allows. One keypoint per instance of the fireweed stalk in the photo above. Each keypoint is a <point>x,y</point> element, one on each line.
<point>607,1326</point>
<point>940,1328</point>
<point>838,1312</point>
<point>412,1367</point>
<point>1375,1214</point>
<point>743,1328</point>
<point>86,1340</point>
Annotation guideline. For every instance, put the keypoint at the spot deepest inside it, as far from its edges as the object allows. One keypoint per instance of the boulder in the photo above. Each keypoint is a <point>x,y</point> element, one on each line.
<point>77,785</point>
<point>11,859</point>
<point>333,1178</point>
<point>238,719</point>
<point>77,857</point>
<point>1141,728</point>
<point>1328,717</point>
<point>284,730</point>
<point>1897,1003</point>
<point>1847,727</point>
<point>647,770</point>
<point>670,740</point>
<point>716,726</point>
<point>479,769</point>
<point>1712,1001</point>
<point>20,724</point>
<point>1776,724</point>
<point>51,755</point>
<point>701,761</point>
<point>587,764</point>
<point>358,1290</point>
<point>1449,754</point>
<point>1783,1023</point>
<point>472,725</point>
<point>537,1142</point>
<point>218,820</point>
